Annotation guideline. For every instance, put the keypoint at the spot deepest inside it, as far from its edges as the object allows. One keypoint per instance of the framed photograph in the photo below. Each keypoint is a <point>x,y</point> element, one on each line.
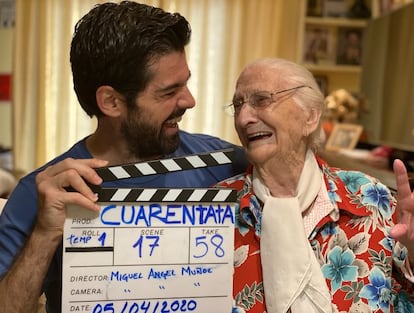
<point>385,6</point>
<point>319,45</point>
<point>335,8</point>
<point>343,136</point>
<point>314,7</point>
<point>7,13</point>
<point>322,82</point>
<point>349,51</point>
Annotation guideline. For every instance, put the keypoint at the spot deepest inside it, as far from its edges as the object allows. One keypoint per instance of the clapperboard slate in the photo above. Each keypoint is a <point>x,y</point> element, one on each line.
<point>151,250</point>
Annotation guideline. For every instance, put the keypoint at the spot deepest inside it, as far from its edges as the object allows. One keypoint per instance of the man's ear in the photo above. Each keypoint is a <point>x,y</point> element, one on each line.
<point>108,101</point>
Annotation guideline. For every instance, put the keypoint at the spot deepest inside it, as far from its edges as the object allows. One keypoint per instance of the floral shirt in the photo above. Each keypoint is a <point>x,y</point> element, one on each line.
<point>360,262</point>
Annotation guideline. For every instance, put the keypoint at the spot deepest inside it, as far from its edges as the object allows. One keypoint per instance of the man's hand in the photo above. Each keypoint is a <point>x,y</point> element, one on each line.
<point>25,278</point>
<point>54,197</point>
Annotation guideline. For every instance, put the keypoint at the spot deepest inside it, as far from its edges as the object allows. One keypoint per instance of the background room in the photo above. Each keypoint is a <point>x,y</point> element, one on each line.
<point>345,43</point>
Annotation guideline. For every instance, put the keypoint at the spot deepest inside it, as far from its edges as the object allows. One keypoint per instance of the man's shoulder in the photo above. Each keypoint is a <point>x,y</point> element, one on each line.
<point>77,151</point>
<point>202,143</point>
<point>198,143</point>
<point>204,139</point>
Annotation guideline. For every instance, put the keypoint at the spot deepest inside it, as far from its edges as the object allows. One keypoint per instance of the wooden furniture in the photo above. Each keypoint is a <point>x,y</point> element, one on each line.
<point>337,159</point>
<point>386,176</point>
<point>387,79</point>
<point>324,41</point>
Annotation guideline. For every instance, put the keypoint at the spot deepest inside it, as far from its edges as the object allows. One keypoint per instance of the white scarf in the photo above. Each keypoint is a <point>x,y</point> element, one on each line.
<point>292,277</point>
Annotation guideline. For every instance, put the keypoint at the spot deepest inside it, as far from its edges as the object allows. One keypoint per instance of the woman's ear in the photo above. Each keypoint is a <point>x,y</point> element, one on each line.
<point>312,120</point>
<point>108,101</point>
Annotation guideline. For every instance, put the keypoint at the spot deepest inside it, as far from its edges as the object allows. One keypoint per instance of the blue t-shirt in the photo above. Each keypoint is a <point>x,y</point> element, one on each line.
<point>19,214</point>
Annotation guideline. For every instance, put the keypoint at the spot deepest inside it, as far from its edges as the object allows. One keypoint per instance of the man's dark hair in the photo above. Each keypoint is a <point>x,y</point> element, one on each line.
<point>114,45</point>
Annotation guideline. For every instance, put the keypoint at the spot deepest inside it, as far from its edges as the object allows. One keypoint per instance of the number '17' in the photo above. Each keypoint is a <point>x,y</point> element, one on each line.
<point>152,244</point>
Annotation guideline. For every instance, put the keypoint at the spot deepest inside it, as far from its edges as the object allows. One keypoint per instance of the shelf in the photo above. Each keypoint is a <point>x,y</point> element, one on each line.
<point>333,68</point>
<point>327,44</point>
<point>336,22</point>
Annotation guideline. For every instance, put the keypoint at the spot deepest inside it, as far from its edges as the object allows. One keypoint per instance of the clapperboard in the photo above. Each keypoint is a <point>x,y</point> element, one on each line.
<point>152,249</point>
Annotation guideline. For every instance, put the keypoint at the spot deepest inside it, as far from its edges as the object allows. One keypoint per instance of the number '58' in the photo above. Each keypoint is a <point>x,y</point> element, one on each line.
<point>203,244</point>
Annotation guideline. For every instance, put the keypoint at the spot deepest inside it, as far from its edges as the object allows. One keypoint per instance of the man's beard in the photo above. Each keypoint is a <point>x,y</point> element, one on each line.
<point>145,141</point>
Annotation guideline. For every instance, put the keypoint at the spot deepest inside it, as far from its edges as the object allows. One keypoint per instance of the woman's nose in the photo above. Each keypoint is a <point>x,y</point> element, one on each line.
<point>247,114</point>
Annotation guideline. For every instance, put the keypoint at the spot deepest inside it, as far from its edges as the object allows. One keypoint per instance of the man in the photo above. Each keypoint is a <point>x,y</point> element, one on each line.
<point>130,71</point>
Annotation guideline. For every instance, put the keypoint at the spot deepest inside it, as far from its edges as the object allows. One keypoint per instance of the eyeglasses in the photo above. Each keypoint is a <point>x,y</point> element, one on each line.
<point>258,100</point>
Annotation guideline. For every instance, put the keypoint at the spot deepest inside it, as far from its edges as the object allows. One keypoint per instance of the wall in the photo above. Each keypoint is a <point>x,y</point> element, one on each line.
<point>387,79</point>
<point>6,44</point>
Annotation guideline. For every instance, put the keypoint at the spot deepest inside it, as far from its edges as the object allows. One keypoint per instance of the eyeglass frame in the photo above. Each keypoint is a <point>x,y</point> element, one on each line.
<point>235,111</point>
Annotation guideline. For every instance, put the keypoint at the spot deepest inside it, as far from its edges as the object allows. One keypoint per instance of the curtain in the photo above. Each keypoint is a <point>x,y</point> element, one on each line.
<point>227,34</point>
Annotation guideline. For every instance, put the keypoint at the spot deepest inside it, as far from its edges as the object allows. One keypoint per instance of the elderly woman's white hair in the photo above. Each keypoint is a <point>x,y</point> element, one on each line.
<point>292,74</point>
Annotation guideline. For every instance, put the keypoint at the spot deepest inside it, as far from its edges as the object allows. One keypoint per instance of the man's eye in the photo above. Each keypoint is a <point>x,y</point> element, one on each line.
<point>170,93</point>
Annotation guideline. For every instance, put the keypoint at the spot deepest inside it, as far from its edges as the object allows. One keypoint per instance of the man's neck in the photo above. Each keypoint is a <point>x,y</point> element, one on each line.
<point>109,148</point>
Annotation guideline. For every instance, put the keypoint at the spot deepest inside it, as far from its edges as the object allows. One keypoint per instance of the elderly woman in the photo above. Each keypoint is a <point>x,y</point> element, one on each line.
<point>310,238</point>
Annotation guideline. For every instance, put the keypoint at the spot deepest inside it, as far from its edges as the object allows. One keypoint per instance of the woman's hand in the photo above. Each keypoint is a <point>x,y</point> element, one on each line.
<point>403,231</point>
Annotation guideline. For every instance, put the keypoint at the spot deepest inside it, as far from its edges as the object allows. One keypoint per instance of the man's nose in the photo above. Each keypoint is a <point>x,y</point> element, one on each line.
<point>187,100</point>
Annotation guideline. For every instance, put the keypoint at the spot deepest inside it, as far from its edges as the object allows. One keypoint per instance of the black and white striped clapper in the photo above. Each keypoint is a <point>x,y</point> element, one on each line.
<point>164,166</point>
<point>156,195</point>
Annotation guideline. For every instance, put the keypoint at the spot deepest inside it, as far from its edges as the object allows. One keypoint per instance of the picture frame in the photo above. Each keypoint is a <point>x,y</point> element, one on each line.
<point>7,13</point>
<point>343,136</point>
<point>335,8</point>
<point>319,45</point>
<point>385,6</point>
<point>314,8</point>
<point>349,47</point>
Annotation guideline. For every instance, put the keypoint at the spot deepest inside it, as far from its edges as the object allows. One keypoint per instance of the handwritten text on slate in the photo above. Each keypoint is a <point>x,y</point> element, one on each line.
<point>148,257</point>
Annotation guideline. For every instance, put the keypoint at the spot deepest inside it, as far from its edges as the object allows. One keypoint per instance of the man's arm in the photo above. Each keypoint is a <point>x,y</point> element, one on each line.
<point>21,286</point>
